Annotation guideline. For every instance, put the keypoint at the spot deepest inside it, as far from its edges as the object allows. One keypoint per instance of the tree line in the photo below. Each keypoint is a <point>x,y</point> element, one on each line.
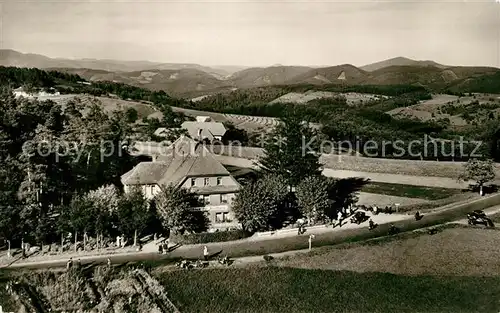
<point>58,178</point>
<point>56,160</point>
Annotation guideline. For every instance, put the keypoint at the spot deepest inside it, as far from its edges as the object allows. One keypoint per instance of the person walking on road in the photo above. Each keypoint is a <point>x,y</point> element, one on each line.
<point>300,223</point>
<point>69,264</point>
<point>205,253</point>
<point>339,218</point>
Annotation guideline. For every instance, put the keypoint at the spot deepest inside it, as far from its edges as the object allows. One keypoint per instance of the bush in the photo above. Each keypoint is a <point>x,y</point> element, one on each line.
<point>220,236</point>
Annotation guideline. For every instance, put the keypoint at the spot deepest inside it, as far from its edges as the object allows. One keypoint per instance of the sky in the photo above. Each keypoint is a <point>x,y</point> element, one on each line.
<point>257,32</point>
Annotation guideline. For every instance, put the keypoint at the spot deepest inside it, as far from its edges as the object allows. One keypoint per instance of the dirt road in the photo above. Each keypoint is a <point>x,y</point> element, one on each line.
<point>250,246</point>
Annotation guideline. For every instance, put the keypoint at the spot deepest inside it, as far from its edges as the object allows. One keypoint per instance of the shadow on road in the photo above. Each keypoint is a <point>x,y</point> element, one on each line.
<point>172,248</point>
<point>214,255</point>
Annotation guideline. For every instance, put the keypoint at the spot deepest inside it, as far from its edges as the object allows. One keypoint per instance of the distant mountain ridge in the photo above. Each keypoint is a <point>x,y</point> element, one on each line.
<point>14,58</point>
<point>193,80</point>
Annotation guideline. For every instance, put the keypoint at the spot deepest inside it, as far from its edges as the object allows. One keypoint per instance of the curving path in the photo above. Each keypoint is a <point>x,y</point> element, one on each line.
<point>428,181</point>
<point>291,241</point>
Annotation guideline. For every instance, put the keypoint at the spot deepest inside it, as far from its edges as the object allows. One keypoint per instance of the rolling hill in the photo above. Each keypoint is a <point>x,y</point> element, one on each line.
<point>399,61</point>
<point>489,83</point>
<point>190,83</point>
<point>345,73</point>
<point>174,82</point>
<point>274,75</point>
<point>185,82</point>
<point>429,76</point>
<point>194,80</point>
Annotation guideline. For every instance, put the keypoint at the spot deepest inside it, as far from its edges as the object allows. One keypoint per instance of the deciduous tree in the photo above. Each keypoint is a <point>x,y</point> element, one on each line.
<point>312,198</point>
<point>262,205</point>
<point>134,214</point>
<point>292,151</point>
<point>174,206</point>
<point>480,171</point>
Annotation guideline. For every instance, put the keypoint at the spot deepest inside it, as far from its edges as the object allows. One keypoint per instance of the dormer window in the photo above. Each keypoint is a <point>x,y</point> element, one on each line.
<point>206,181</point>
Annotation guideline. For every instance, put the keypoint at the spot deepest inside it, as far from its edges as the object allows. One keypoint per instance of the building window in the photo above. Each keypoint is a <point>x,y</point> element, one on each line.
<point>193,182</point>
<point>222,217</point>
<point>152,189</point>
<point>223,198</point>
<point>206,199</point>
<point>218,217</point>
<point>206,181</point>
<point>219,181</point>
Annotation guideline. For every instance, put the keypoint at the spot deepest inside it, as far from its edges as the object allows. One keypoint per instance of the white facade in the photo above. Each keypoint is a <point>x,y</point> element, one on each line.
<point>202,119</point>
<point>35,95</point>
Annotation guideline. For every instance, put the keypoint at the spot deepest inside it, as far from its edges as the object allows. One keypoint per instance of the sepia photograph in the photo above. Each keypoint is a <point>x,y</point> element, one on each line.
<point>241,156</point>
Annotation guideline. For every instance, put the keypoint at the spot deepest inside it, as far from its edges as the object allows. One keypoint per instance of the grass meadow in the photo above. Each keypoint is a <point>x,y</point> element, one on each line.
<point>274,289</point>
<point>409,191</point>
<point>455,270</point>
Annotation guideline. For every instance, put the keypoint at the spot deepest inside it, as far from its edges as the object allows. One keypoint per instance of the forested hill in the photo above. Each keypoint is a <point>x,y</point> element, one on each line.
<point>15,77</point>
<point>36,79</point>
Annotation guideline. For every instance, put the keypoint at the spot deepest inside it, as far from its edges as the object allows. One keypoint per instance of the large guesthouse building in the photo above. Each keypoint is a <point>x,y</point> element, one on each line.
<point>189,164</point>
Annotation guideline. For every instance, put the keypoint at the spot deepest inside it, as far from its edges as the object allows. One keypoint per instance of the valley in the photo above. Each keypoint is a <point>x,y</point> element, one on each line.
<point>193,80</point>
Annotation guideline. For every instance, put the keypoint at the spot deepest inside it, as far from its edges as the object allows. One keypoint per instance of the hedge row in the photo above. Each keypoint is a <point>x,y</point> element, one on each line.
<point>219,236</point>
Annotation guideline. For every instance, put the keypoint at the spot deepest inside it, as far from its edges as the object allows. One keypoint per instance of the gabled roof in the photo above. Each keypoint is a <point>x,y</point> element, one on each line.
<point>208,129</point>
<point>145,173</point>
<point>184,158</point>
<point>165,132</point>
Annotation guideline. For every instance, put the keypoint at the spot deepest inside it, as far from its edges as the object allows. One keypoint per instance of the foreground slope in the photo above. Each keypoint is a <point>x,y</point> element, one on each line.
<point>292,290</point>
<point>456,251</point>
